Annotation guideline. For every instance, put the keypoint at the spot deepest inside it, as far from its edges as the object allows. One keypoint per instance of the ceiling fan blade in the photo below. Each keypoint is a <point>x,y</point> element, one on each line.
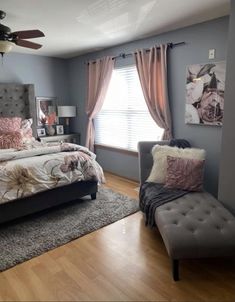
<point>27,44</point>
<point>28,34</point>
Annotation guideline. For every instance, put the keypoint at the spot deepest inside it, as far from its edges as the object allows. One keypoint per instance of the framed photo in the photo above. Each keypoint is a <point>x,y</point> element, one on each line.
<point>205,85</point>
<point>41,132</point>
<point>59,129</point>
<point>46,111</point>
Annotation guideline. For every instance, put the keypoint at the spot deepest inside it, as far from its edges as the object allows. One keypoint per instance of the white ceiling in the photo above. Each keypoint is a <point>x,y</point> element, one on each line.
<point>74,27</point>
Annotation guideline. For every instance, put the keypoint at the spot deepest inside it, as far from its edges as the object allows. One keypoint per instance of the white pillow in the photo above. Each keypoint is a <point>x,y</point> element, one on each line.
<point>160,153</point>
<point>26,124</point>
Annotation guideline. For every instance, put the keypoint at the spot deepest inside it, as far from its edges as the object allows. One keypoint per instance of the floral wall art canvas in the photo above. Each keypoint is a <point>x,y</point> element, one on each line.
<point>205,93</point>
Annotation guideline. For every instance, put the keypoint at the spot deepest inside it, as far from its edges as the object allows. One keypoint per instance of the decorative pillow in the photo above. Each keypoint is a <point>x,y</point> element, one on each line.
<point>11,140</point>
<point>185,174</point>
<point>160,153</point>
<point>26,124</point>
<point>10,124</point>
<point>25,129</point>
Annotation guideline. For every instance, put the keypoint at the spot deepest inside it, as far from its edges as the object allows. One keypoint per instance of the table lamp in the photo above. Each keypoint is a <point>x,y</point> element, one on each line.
<point>66,112</point>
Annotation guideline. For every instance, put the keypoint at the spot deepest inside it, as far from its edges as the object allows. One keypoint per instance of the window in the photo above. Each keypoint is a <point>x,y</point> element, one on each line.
<point>124,119</point>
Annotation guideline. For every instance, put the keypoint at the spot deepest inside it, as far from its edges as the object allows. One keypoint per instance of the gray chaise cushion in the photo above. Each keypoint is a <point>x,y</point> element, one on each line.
<point>196,226</point>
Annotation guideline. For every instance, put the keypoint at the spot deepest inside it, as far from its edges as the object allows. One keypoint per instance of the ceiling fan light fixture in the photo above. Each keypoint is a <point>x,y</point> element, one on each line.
<point>8,39</point>
<point>5,46</point>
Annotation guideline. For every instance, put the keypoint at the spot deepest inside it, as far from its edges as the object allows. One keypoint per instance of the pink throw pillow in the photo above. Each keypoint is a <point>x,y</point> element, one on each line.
<point>11,140</point>
<point>10,124</point>
<point>184,174</point>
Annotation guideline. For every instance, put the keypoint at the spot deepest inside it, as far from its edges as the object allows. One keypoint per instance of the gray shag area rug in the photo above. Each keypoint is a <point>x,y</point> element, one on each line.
<point>36,234</point>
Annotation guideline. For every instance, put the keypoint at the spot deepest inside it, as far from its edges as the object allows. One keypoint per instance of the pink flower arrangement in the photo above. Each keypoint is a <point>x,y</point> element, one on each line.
<point>51,118</point>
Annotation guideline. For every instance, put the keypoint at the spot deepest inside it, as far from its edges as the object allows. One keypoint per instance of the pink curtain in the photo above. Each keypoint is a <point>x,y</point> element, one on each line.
<point>99,76</point>
<point>152,70</point>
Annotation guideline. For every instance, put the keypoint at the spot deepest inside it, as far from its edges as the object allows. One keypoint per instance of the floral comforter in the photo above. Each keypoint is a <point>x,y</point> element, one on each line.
<point>29,171</point>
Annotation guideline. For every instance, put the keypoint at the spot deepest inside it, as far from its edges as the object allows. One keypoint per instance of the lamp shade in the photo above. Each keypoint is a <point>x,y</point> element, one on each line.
<point>66,111</point>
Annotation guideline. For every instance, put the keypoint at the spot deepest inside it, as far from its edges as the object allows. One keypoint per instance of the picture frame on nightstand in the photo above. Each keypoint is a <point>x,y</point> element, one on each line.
<point>59,129</point>
<point>41,132</point>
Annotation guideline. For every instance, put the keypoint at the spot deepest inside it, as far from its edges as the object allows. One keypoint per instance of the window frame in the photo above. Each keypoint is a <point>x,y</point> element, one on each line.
<point>116,148</point>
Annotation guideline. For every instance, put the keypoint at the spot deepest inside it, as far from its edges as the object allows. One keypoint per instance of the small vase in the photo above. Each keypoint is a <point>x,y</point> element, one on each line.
<point>50,130</point>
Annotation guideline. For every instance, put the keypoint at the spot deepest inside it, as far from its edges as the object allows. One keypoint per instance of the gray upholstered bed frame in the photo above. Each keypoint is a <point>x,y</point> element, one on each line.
<point>19,100</point>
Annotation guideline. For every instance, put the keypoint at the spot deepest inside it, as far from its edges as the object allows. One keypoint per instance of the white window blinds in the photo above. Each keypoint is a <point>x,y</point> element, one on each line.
<point>124,119</point>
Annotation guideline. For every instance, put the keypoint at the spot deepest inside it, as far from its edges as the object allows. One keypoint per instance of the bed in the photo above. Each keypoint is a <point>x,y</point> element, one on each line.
<point>18,100</point>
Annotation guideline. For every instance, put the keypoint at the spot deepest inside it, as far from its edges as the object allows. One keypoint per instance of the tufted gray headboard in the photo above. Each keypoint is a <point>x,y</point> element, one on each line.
<point>146,158</point>
<point>18,100</point>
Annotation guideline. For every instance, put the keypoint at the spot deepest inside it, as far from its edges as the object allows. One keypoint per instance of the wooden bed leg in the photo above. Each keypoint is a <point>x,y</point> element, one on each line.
<point>175,269</point>
<point>93,196</point>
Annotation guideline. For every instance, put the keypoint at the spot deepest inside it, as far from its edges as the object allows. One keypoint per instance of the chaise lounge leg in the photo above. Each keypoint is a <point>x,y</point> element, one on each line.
<point>175,269</point>
<point>93,196</point>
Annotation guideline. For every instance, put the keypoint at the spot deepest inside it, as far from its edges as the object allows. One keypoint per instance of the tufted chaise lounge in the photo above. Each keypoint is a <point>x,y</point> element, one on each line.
<point>193,226</point>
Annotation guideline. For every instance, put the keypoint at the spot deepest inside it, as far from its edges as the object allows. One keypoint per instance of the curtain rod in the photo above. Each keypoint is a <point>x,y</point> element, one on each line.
<point>124,55</point>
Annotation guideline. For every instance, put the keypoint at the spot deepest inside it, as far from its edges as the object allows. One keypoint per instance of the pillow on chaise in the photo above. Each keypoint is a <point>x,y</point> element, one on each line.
<point>184,174</point>
<point>160,153</point>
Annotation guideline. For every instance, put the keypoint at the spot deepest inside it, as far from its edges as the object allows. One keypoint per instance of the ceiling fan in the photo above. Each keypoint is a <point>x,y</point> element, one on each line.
<point>8,38</point>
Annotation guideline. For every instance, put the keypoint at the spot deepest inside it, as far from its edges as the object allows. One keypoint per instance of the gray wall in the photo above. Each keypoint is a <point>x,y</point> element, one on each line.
<point>67,79</point>
<point>199,38</point>
<point>227,167</point>
<point>49,75</point>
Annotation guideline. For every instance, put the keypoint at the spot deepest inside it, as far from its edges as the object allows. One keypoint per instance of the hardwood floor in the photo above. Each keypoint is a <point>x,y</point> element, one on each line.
<point>124,261</point>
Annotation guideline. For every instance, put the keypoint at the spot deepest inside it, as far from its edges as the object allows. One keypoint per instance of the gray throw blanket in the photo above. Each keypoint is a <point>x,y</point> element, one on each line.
<point>153,195</point>
<point>180,143</point>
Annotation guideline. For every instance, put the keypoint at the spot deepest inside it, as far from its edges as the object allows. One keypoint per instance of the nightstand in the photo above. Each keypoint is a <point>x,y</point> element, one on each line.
<point>63,138</point>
